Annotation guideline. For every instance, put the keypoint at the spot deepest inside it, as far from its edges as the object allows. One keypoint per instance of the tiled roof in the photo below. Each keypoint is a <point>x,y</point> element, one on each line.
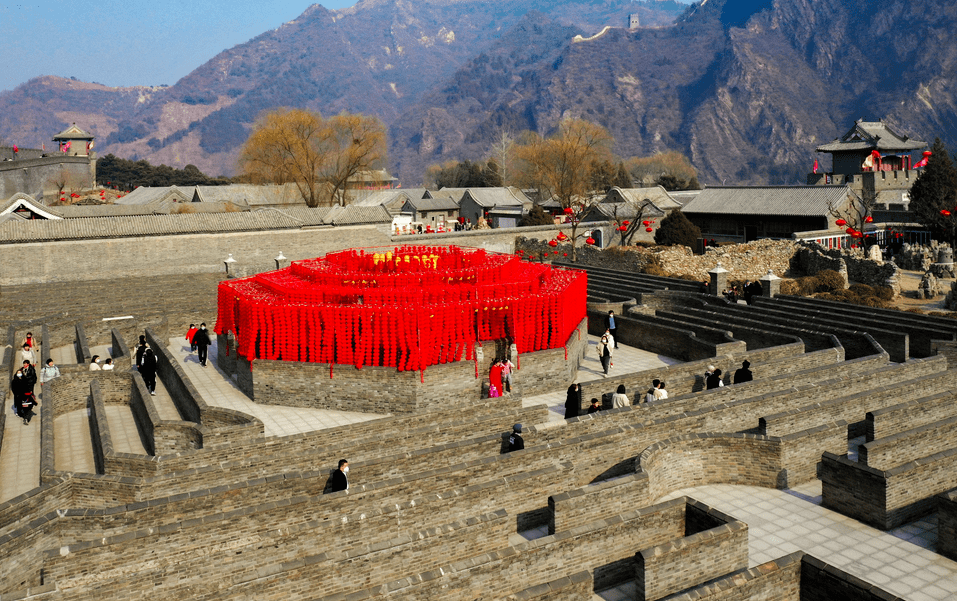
<point>73,133</point>
<point>87,211</point>
<point>872,135</point>
<point>305,215</point>
<point>442,203</point>
<point>455,194</point>
<point>768,200</point>
<point>27,201</point>
<point>382,197</point>
<point>352,215</point>
<point>497,197</point>
<point>657,195</point>
<point>625,210</point>
<point>251,195</point>
<point>145,195</point>
<point>146,225</point>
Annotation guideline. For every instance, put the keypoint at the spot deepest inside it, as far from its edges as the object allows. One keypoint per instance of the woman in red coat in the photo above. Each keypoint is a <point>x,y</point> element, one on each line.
<point>495,377</point>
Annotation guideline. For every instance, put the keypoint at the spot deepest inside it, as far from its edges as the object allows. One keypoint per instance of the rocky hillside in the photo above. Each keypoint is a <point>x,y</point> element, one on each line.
<point>747,88</point>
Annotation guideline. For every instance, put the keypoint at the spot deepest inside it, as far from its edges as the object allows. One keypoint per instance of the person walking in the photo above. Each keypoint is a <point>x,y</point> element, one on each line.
<point>611,327</point>
<point>148,370</point>
<point>189,337</point>
<point>340,479</point>
<point>495,378</point>
<point>714,380</point>
<point>27,354</point>
<point>573,401</point>
<point>605,350</point>
<point>201,341</point>
<point>23,401</point>
<point>515,441</point>
<point>744,374</point>
<point>140,349</point>
<point>620,398</point>
<point>28,341</point>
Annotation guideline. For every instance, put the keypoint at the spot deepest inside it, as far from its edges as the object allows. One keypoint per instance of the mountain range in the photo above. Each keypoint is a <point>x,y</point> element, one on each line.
<point>745,88</point>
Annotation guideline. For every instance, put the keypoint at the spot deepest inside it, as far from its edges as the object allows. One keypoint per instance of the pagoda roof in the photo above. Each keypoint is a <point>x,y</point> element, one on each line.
<point>73,133</point>
<point>872,135</point>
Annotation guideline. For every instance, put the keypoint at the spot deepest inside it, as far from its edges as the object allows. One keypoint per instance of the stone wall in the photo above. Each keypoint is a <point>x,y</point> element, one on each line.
<point>37,176</point>
<point>697,557</point>
<point>910,414</point>
<point>853,264</point>
<point>384,390</point>
<point>947,524</point>
<point>254,252</point>
<point>910,445</point>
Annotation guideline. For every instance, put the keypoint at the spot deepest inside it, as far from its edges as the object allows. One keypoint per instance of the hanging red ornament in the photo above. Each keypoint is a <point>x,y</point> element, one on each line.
<point>553,243</point>
<point>626,223</point>
<point>649,229</point>
<point>568,210</point>
<point>868,219</point>
<point>945,212</point>
<point>589,240</point>
<point>840,222</point>
<point>646,222</point>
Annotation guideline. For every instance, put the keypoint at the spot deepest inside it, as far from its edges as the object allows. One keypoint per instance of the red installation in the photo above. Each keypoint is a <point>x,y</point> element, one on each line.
<point>408,307</point>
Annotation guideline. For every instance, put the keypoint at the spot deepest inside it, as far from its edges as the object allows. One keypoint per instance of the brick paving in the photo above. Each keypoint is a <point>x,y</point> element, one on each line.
<point>19,454</point>
<point>218,390</point>
<point>627,359</point>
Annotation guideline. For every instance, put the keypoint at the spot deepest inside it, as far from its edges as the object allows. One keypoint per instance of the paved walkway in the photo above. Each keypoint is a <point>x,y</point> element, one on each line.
<point>218,390</point>
<point>72,443</point>
<point>19,454</point>
<point>627,360</point>
<point>123,430</point>
<point>64,355</point>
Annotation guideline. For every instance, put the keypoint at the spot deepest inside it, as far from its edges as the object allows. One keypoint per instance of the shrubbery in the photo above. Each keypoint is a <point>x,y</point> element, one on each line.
<point>829,285</point>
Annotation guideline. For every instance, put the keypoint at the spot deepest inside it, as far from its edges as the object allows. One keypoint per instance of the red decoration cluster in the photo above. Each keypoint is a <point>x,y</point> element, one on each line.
<point>408,307</point>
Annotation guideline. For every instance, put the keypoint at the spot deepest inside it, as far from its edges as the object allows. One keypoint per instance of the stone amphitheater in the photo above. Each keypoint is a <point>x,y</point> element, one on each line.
<point>833,474</point>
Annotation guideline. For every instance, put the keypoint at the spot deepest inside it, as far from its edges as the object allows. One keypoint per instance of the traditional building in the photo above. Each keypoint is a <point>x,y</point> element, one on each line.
<point>875,162</point>
<point>74,142</point>
<point>746,213</point>
<point>501,207</point>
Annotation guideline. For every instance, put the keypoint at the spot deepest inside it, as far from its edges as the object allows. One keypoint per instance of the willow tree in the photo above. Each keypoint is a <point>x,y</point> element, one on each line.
<point>319,155</point>
<point>563,166</point>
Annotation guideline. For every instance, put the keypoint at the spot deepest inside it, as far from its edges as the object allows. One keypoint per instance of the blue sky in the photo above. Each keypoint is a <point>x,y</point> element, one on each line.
<point>131,42</point>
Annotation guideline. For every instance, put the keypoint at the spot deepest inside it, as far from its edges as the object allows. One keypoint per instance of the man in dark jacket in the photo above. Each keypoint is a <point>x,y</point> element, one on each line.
<point>714,380</point>
<point>515,441</point>
<point>743,374</point>
<point>201,341</point>
<point>612,327</point>
<point>339,479</point>
<point>29,374</point>
<point>140,349</point>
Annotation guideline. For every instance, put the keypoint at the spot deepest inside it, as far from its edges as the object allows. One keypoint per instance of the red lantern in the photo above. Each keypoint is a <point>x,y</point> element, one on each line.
<point>626,223</point>
<point>945,212</point>
<point>841,222</point>
<point>646,222</point>
<point>565,254</point>
<point>850,231</point>
<point>553,243</point>
<point>649,229</point>
<point>589,240</point>
<point>868,219</point>
<point>623,229</point>
<point>568,210</point>
<point>561,236</point>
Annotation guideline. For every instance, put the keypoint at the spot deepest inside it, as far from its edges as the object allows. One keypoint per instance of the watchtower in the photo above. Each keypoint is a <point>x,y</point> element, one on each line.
<point>73,141</point>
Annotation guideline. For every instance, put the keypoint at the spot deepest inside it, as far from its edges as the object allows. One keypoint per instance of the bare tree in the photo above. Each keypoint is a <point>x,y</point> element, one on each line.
<point>320,156</point>
<point>502,153</point>
<point>561,166</point>
<point>629,226</point>
<point>354,143</point>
